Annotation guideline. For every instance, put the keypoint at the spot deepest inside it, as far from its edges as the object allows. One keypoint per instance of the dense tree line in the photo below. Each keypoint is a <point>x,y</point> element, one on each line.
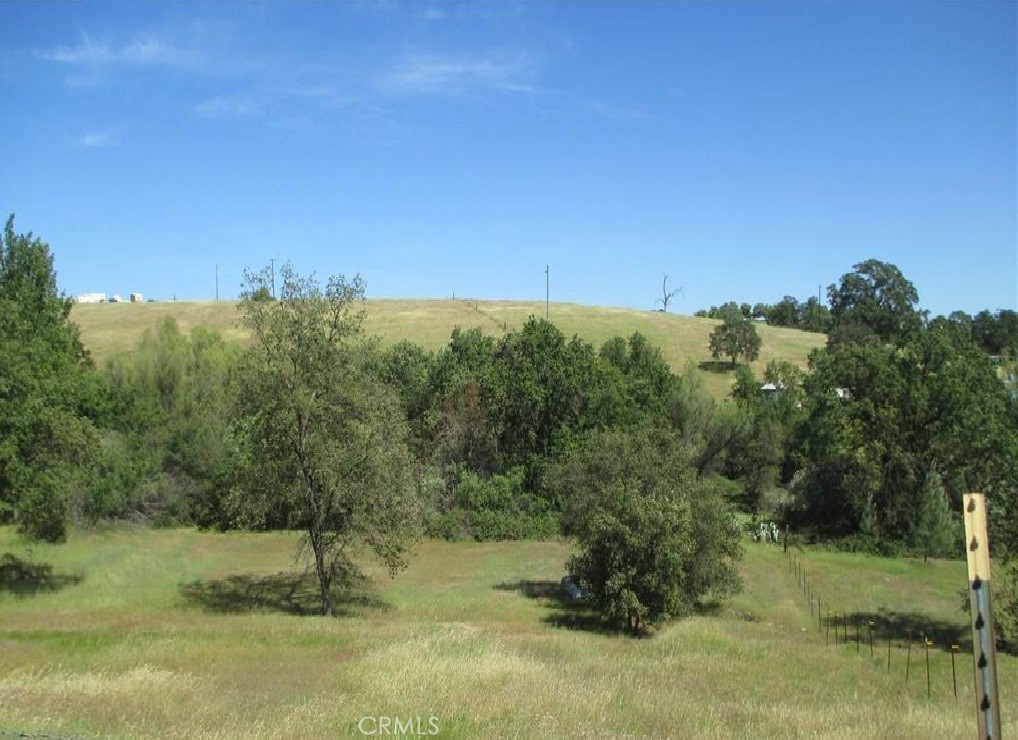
<point>808,315</point>
<point>896,418</point>
<point>996,333</point>
<point>320,428</point>
<point>865,300</point>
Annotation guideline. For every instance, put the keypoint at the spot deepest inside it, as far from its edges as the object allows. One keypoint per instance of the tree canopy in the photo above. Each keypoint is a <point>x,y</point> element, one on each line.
<point>876,298</point>
<point>48,393</point>
<point>881,418</point>
<point>655,537</point>
<point>736,337</point>
<point>324,437</point>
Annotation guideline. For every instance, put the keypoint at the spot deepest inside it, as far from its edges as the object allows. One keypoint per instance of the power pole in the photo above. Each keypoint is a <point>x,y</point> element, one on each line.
<point>217,282</point>
<point>273,263</point>
<point>547,291</point>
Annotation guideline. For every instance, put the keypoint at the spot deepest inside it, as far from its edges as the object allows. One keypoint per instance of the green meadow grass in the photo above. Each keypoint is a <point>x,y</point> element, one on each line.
<point>113,329</point>
<point>178,633</point>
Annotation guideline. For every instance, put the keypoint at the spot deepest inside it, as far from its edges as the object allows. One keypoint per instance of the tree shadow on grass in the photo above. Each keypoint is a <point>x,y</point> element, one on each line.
<point>287,592</point>
<point>25,578</point>
<point>722,367</point>
<point>901,626</point>
<point>563,611</point>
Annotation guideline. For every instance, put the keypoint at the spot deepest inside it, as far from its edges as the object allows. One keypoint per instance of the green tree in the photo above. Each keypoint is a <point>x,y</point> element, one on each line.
<point>785,312</point>
<point>655,537</point>
<point>634,552</point>
<point>325,438</point>
<point>996,333</point>
<point>736,337</point>
<point>646,377</point>
<point>407,367</point>
<point>756,454</point>
<point>936,529</point>
<point>878,416</point>
<point>455,428</point>
<point>814,316</point>
<point>262,293</point>
<point>709,429</point>
<point>49,393</point>
<point>874,299</point>
<point>170,457</point>
<point>1005,604</point>
<point>498,508</point>
<point>539,391</point>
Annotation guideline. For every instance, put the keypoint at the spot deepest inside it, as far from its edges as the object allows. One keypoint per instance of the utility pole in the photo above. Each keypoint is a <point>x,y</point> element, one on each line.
<point>273,263</point>
<point>217,282</point>
<point>547,291</point>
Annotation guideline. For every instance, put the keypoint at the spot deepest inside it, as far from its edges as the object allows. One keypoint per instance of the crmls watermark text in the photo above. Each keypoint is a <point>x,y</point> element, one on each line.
<point>398,726</point>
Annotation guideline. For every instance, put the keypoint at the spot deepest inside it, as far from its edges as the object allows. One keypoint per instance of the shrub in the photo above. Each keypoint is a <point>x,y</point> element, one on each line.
<point>492,508</point>
<point>1005,605</point>
<point>656,539</point>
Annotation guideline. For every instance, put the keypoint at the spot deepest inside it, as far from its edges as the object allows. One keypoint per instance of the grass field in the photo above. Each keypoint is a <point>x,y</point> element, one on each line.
<point>139,633</point>
<point>115,328</point>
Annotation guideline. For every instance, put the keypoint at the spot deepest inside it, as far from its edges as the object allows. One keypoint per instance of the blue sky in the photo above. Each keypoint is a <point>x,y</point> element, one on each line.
<point>747,150</point>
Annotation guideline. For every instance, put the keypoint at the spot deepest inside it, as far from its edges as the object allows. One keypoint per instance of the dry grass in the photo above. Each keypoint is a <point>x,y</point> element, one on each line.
<point>112,329</point>
<point>474,635</point>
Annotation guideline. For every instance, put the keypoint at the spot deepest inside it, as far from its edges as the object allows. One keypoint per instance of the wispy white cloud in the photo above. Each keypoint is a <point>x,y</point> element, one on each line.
<point>434,14</point>
<point>236,104</point>
<point>614,111</point>
<point>288,89</point>
<point>150,50</point>
<point>274,101</point>
<point>86,52</point>
<point>97,140</point>
<point>145,51</point>
<point>430,75</point>
<point>277,84</point>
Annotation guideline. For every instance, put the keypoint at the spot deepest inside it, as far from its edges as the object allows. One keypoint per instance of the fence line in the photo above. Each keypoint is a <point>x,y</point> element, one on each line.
<point>833,618</point>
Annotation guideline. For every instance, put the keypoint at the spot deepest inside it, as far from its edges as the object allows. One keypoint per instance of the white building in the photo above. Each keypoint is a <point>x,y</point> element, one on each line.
<point>90,298</point>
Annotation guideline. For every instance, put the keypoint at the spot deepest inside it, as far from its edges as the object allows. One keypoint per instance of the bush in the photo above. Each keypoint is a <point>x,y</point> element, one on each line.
<point>635,552</point>
<point>656,539</point>
<point>1005,605</point>
<point>125,464</point>
<point>452,525</point>
<point>495,508</point>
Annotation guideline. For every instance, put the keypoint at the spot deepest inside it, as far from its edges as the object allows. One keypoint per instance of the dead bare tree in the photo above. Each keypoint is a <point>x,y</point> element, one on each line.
<point>667,295</point>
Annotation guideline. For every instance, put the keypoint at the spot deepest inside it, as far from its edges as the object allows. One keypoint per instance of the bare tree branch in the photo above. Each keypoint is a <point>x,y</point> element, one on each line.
<point>667,295</point>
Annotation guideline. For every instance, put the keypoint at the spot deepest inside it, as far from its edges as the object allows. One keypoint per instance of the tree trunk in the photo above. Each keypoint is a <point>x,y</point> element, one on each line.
<point>324,577</point>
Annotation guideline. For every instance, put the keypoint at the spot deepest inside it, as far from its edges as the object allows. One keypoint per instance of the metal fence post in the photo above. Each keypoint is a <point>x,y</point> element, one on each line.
<point>984,651</point>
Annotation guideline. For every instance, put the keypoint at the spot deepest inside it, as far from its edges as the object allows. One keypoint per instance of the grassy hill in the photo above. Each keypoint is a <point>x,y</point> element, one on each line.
<point>111,329</point>
<point>176,633</point>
